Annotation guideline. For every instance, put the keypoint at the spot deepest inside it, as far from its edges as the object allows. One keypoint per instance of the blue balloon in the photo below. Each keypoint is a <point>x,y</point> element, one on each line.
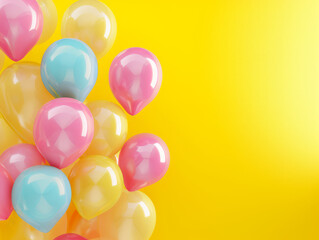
<point>40,196</point>
<point>69,69</point>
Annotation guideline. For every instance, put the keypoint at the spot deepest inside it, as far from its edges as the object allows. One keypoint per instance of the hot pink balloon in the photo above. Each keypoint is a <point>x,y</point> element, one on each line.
<point>21,24</point>
<point>6,184</point>
<point>144,159</point>
<point>135,78</point>
<point>70,236</point>
<point>63,130</point>
<point>19,158</point>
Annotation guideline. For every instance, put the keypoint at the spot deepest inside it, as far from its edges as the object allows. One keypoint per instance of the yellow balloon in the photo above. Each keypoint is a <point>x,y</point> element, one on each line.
<point>92,22</point>
<point>22,94</point>
<point>97,184</point>
<point>2,57</point>
<point>50,19</point>
<point>132,218</point>
<point>16,229</point>
<point>8,137</point>
<point>85,228</point>
<point>110,128</point>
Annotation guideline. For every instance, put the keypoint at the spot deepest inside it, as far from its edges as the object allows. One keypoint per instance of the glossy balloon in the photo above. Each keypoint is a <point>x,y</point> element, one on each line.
<point>50,19</point>
<point>70,236</point>
<point>144,159</point>
<point>110,128</point>
<point>5,193</point>
<point>69,69</point>
<point>8,137</point>
<point>97,185</point>
<point>86,228</point>
<point>132,218</point>
<point>21,157</point>
<point>16,229</point>
<point>20,28</point>
<point>135,78</point>
<point>63,130</point>
<point>22,94</point>
<point>2,58</point>
<point>92,22</point>
<point>40,196</point>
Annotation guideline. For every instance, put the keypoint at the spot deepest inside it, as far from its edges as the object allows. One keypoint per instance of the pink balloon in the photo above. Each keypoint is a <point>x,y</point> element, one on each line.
<point>63,130</point>
<point>70,236</point>
<point>144,159</point>
<point>6,184</point>
<point>21,24</point>
<point>135,78</point>
<point>19,158</point>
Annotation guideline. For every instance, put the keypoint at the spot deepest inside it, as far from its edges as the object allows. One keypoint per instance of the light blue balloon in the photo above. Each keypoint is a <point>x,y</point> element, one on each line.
<point>41,195</point>
<point>69,69</point>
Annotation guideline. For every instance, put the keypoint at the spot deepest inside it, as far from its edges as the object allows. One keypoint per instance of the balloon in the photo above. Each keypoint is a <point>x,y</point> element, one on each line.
<point>70,236</point>
<point>92,22</point>
<point>97,184</point>
<point>132,218</point>
<point>40,196</point>
<point>144,159</point>
<point>5,193</point>
<point>20,28</point>
<point>21,157</point>
<point>83,227</point>
<point>135,78</point>
<point>22,94</point>
<point>50,19</point>
<point>69,69</point>
<point>110,128</point>
<point>2,58</point>
<point>16,229</point>
<point>63,130</point>
<point>8,137</point>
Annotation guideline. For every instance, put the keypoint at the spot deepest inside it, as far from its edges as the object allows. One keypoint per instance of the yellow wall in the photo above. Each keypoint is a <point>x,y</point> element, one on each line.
<point>238,108</point>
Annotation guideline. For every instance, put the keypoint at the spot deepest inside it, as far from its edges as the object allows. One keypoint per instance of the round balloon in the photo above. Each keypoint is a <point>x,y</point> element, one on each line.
<point>144,159</point>
<point>135,78</point>
<point>70,236</point>
<point>132,218</point>
<point>69,69</point>
<point>92,22</point>
<point>22,94</point>
<point>21,157</point>
<point>86,228</point>
<point>63,130</point>
<point>110,128</point>
<point>2,58</point>
<point>97,185</point>
<point>8,137</point>
<point>50,19</point>
<point>5,193</point>
<point>20,28</point>
<point>40,196</point>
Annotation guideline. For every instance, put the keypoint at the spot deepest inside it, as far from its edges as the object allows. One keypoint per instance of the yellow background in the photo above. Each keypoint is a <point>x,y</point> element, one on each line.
<point>238,108</point>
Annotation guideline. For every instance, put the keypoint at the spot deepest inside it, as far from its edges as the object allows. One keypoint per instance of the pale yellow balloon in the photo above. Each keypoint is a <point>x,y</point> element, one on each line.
<point>22,94</point>
<point>97,184</point>
<point>110,128</point>
<point>8,137</point>
<point>132,218</point>
<point>92,22</point>
<point>50,19</point>
<point>2,57</point>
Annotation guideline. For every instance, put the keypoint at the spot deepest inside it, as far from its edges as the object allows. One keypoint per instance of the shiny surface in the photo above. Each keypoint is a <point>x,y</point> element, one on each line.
<point>92,22</point>
<point>110,128</point>
<point>20,28</point>
<point>63,130</point>
<point>5,193</point>
<point>40,196</point>
<point>69,69</point>
<point>86,228</point>
<point>2,58</point>
<point>97,184</point>
<point>135,78</point>
<point>132,218</point>
<point>22,94</point>
<point>50,19</point>
<point>19,158</point>
<point>8,137</point>
<point>144,160</point>
<point>16,229</point>
<point>70,236</point>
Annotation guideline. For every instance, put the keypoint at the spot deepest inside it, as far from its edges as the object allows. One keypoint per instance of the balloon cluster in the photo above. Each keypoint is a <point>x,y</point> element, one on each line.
<point>66,169</point>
